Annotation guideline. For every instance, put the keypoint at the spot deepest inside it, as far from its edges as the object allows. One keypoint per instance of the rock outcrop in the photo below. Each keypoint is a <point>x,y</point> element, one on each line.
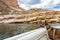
<point>9,7</point>
<point>4,9</point>
<point>13,3</point>
<point>14,14</point>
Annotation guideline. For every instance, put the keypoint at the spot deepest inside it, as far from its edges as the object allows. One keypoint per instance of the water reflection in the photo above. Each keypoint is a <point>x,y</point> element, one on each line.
<point>9,30</point>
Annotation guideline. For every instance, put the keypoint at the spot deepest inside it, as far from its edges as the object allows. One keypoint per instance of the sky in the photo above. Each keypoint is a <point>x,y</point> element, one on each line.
<point>43,4</point>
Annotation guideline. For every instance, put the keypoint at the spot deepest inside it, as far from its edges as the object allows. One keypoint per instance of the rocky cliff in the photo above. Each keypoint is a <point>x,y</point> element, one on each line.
<point>13,3</point>
<point>14,14</point>
<point>4,9</point>
<point>37,16</point>
<point>9,7</point>
<point>47,15</point>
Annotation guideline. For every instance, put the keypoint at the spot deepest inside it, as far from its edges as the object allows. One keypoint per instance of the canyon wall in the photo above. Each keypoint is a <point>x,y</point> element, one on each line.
<point>13,3</point>
<point>9,7</point>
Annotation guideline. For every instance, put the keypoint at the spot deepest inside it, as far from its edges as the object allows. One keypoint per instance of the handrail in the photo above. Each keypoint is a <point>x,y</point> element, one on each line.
<point>38,34</point>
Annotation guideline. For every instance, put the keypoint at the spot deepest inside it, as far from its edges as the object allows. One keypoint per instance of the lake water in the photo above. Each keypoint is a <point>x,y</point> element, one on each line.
<point>9,30</point>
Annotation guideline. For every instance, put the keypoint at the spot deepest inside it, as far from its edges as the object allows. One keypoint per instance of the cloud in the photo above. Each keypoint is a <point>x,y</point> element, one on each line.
<point>56,2</point>
<point>25,0</point>
<point>44,4</point>
<point>57,9</point>
<point>24,6</point>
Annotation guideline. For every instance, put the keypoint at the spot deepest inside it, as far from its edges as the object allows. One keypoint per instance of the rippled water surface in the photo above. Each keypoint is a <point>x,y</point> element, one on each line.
<point>9,30</point>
